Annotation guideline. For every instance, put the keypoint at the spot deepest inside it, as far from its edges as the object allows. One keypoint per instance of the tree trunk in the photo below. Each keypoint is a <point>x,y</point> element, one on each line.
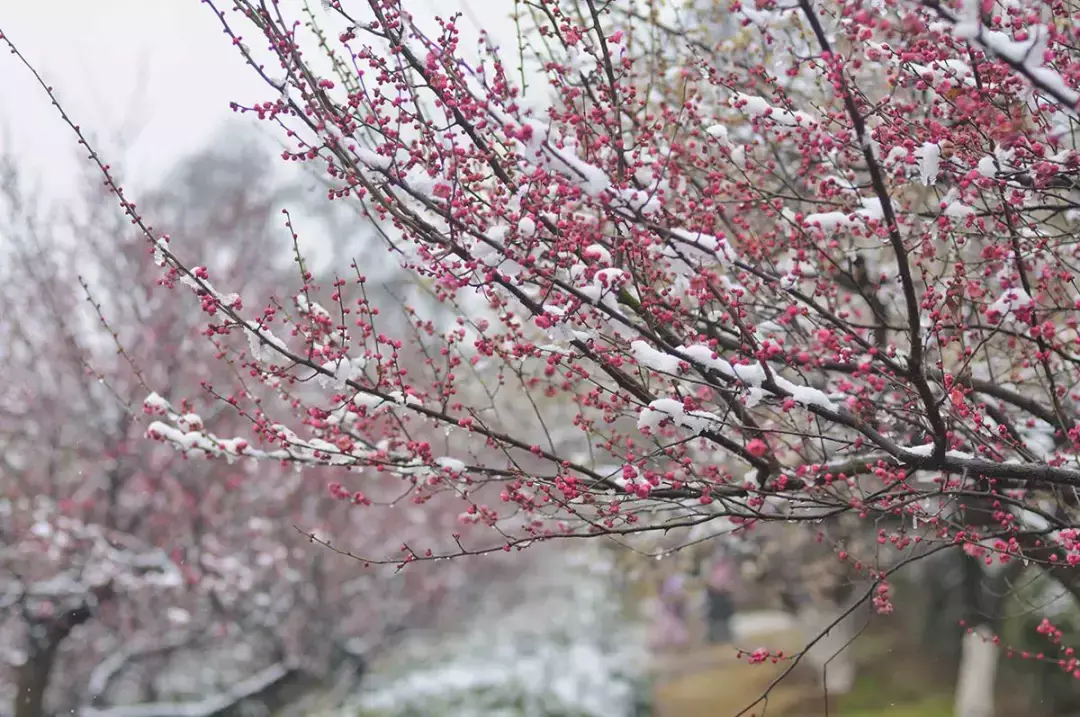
<point>45,638</point>
<point>831,656</point>
<point>273,698</point>
<point>34,676</point>
<point>984,596</point>
<point>978,667</point>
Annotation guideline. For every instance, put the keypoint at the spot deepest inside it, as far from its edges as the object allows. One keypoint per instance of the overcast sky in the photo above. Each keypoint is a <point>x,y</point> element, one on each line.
<point>151,78</point>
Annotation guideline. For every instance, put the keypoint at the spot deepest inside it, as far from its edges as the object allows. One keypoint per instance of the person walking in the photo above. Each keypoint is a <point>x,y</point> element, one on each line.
<point>720,602</point>
<point>671,630</point>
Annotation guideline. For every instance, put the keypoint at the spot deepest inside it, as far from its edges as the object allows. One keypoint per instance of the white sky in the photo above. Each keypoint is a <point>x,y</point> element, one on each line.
<point>151,79</point>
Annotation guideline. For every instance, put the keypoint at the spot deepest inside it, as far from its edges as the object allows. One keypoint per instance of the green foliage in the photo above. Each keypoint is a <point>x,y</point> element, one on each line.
<point>1037,597</point>
<point>895,680</point>
<point>875,695</point>
<point>937,706</point>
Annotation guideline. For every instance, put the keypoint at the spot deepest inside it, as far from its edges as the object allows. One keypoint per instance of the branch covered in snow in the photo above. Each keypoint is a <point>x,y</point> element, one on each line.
<point>246,689</point>
<point>1026,57</point>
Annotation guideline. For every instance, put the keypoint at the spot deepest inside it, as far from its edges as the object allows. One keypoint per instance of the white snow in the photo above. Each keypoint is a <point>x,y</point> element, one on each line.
<point>927,449</point>
<point>1010,301</point>
<point>738,157</point>
<point>942,70</point>
<point>451,465</point>
<point>953,207</point>
<point>650,358</point>
<point>753,375</point>
<point>929,156</point>
<point>715,245</point>
<point>191,421</point>
<point>156,404</point>
<point>186,441</point>
<point>806,395</point>
<point>598,253</point>
<point>604,282</point>
<point>829,222</point>
<point>177,615</point>
<point>421,182</point>
<point>968,25</point>
<point>405,399</point>
<point>1032,520</point>
<point>720,132</point>
<point>644,201</point>
<point>371,159</point>
<point>527,227</point>
<point>750,374</point>
<point>655,413</point>
<point>368,400</point>
<point>753,397</point>
<point>160,247</point>
<point>1029,54</point>
<point>310,307</point>
<point>592,180</point>
<point>565,646</point>
<point>199,708</point>
<point>341,372</point>
<point>759,107</point>
<point>1032,55</point>
<point>257,336</point>
<point>896,153</point>
<point>704,356</point>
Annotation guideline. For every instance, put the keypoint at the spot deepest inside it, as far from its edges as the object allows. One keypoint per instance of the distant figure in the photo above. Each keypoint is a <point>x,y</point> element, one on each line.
<point>671,621</point>
<point>720,604</point>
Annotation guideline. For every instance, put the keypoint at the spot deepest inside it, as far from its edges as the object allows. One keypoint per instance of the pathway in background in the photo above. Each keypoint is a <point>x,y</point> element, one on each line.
<point>709,681</point>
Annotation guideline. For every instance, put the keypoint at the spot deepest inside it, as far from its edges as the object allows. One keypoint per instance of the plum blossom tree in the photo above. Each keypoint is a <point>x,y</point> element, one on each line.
<point>785,263</point>
<point>132,579</point>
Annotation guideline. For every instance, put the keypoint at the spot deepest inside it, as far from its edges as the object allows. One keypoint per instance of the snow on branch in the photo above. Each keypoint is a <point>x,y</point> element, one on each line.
<point>187,433</point>
<point>108,557</point>
<point>759,107</point>
<point>103,675</point>
<point>246,689</point>
<point>751,375</point>
<point>1027,57</point>
<point>830,222</point>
